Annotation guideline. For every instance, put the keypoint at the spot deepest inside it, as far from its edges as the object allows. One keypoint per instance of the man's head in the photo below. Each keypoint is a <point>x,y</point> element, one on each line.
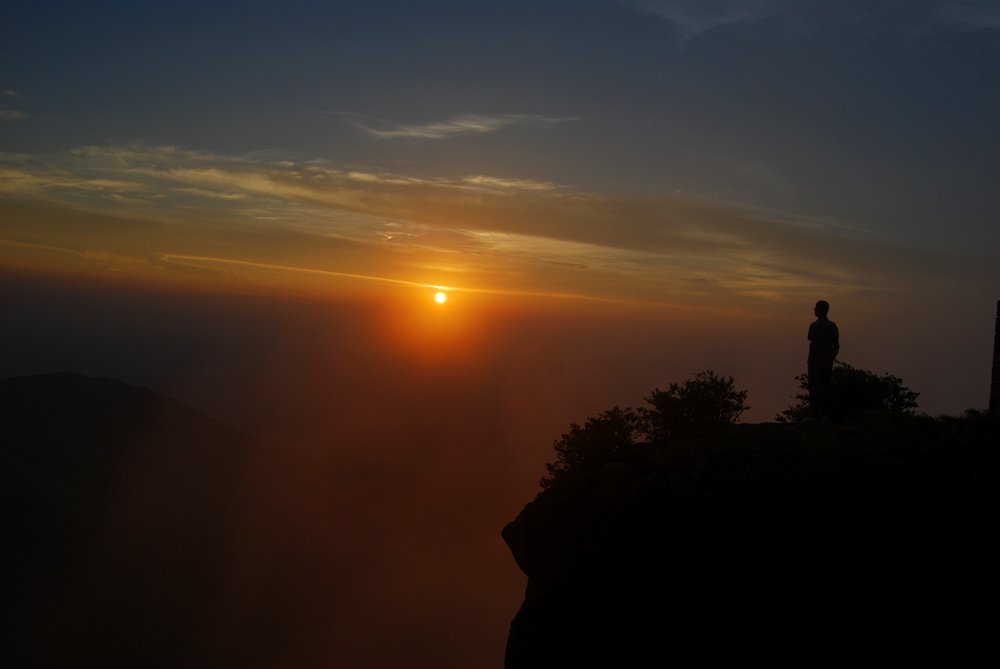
<point>822,308</point>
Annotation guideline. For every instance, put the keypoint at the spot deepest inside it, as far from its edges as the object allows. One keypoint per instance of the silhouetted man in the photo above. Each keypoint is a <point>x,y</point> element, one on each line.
<point>824,344</point>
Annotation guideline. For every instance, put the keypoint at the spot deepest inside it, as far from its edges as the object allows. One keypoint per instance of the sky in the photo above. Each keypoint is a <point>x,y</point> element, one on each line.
<point>726,154</point>
<point>250,206</point>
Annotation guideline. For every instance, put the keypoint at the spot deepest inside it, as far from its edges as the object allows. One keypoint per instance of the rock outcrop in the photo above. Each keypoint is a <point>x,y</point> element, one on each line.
<point>769,542</point>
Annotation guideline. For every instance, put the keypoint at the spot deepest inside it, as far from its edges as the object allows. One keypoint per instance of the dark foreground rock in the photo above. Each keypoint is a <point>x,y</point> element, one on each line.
<point>777,543</point>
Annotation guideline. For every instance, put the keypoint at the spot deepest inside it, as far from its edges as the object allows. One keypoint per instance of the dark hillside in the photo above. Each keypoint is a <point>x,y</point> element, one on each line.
<point>118,507</point>
<point>785,542</point>
<point>144,534</point>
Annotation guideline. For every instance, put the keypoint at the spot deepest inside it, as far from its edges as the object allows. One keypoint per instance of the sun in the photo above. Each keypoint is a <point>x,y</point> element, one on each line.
<point>440,297</point>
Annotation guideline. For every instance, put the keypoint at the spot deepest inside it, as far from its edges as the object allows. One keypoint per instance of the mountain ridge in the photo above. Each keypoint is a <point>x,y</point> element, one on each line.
<point>115,496</point>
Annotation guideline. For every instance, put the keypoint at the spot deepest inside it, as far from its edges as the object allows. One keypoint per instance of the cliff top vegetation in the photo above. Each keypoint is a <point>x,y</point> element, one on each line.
<point>708,400</point>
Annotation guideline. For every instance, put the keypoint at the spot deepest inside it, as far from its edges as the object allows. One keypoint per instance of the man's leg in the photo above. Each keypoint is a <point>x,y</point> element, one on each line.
<point>819,391</point>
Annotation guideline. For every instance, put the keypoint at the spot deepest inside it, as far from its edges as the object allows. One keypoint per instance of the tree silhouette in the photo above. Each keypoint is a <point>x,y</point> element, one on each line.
<point>854,392</point>
<point>704,400</point>
<point>591,446</point>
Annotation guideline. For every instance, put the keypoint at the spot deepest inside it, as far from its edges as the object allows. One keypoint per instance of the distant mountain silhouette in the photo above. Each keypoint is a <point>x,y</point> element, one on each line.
<point>790,544</point>
<point>142,533</point>
<point>114,499</point>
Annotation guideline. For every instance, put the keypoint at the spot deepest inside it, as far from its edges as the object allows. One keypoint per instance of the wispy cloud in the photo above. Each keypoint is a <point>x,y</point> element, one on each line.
<point>485,230</point>
<point>517,184</point>
<point>971,14</point>
<point>468,124</point>
<point>211,193</point>
<point>691,18</point>
<point>11,114</point>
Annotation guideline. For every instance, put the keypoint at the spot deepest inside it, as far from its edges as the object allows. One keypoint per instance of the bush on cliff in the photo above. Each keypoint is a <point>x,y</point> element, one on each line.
<point>590,447</point>
<point>853,393</point>
<point>706,399</point>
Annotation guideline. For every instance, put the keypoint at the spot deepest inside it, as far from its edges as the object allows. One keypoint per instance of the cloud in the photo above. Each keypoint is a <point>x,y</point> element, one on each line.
<point>468,124</point>
<point>11,114</point>
<point>971,15</point>
<point>479,232</point>
<point>211,193</point>
<point>26,176</point>
<point>692,17</point>
<point>519,184</point>
<point>127,200</point>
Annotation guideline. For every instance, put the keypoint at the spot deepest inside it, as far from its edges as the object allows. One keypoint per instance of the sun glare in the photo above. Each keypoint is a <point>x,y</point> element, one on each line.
<point>440,297</point>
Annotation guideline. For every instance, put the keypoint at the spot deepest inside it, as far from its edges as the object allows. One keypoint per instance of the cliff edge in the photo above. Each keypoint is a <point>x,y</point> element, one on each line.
<point>769,541</point>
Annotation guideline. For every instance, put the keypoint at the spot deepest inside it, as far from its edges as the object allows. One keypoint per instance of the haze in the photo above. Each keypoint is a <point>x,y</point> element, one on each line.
<point>251,210</point>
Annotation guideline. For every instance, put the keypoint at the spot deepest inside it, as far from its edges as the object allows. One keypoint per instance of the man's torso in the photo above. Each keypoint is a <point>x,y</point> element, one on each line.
<point>823,336</point>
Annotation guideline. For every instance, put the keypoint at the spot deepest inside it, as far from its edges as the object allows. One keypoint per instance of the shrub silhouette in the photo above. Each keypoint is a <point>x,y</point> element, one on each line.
<point>853,393</point>
<point>706,399</point>
<point>591,446</point>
